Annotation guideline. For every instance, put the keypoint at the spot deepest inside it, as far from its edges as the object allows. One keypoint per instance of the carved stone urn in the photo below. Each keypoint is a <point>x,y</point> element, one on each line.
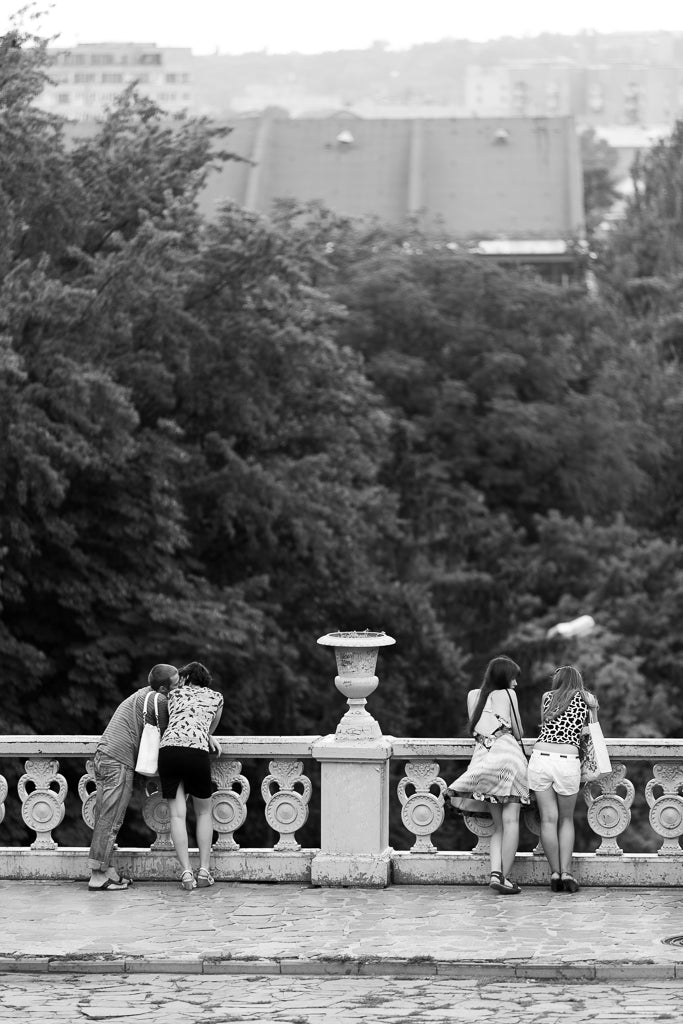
<point>356,655</point>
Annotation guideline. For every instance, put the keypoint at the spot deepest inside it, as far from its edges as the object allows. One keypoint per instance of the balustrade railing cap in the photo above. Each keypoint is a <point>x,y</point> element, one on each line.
<point>356,638</point>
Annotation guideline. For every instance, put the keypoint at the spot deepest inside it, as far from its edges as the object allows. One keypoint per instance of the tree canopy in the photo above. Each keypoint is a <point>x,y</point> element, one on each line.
<point>219,440</point>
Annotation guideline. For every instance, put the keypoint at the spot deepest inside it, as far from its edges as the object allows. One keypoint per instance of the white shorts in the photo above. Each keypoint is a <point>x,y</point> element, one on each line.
<point>549,769</point>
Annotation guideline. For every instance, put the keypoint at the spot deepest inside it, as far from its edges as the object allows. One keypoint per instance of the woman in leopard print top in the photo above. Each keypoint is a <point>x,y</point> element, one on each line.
<point>555,770</point>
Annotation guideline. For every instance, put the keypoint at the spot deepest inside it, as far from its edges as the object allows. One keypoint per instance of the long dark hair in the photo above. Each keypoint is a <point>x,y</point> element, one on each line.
<point>500,672</point>
<point>567,681</point>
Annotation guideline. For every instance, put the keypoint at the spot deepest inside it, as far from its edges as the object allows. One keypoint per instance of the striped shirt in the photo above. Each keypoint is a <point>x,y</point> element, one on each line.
<point>121,739</point>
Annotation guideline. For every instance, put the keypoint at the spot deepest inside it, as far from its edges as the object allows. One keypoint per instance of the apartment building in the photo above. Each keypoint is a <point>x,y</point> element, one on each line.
<point>87,78</point>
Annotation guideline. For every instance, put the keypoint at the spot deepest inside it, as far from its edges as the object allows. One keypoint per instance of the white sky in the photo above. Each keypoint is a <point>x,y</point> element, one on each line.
<point>313,26</point>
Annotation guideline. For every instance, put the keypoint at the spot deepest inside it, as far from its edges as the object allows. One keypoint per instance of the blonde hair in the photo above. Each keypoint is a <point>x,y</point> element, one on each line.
<point>567,681</point>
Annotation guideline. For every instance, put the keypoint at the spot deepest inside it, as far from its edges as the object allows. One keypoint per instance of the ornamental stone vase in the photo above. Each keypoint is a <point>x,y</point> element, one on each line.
<point>356,655</point>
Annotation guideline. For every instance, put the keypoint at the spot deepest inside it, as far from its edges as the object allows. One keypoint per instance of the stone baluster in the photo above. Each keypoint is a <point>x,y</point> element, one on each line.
<point>423,809</point>
<point>609,813</point>
<point>157,815</point>
<point>228,804</point>
<point>666,810</point>
<point>3,796</point>
<point>87,790</point>
<point>42,806</point>
<point>287,807</point>
<point>483,828</point>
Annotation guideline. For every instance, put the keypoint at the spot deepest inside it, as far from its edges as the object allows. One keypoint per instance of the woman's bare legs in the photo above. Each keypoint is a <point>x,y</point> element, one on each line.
<point>557,828</point>
<point>178,810</point>
<point>204,828</point>
<point>496,846</point>
<point>505,839</point>
<point>510,835</point>
<point>565,831</point>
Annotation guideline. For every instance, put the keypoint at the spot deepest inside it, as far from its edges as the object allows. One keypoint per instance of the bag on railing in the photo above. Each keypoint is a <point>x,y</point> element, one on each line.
<point>593,752</point>
<point>148,751</point>
<point>467,805</point>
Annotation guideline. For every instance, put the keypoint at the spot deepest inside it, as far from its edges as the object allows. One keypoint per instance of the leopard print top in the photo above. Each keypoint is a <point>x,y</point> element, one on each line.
<point>566,728</point>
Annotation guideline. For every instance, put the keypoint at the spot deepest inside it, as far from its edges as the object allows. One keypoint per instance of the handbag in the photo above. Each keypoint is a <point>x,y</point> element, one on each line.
<point>148,751</point>
<point>593,752</point>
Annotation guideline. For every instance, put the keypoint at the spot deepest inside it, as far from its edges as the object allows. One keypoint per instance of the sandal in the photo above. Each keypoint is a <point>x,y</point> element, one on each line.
<point>569,883</point>
<point>496,879</point>
<point>109,886</point>
<point>187,881</point>
<point>505,886</point>
<point>204,878</point>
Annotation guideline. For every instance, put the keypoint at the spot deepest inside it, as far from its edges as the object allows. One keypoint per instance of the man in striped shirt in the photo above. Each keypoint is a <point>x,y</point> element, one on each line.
<point>114,765</point>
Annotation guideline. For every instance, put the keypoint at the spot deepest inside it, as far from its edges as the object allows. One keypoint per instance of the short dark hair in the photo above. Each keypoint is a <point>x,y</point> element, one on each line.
<point>160,675</point>
<point>196,674</point>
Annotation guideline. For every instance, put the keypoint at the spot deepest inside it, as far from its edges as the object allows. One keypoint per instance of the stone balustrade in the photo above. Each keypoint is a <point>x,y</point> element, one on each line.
<point>354,802</point>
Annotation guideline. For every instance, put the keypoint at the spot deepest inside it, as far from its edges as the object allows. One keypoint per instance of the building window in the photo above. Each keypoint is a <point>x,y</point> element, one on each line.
<point>74,58</point>
<point>149,58</point>
<point>102,58</point>
<point>112,79</point>
<point>83,77</point>
<point>62,97</point>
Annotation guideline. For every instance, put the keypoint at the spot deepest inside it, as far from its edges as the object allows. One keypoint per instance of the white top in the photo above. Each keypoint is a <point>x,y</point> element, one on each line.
<point>497,712</point>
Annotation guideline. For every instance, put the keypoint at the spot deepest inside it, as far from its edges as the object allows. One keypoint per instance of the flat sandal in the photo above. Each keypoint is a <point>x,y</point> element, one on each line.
<point>187,881</point>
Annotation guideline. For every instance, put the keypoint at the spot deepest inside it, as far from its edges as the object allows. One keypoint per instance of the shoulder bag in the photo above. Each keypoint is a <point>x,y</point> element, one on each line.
<point>148,751</point>
<point>593,752</point>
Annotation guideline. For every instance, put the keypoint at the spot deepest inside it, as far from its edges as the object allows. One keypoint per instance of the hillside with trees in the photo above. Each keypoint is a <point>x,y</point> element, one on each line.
<point>220,441</point>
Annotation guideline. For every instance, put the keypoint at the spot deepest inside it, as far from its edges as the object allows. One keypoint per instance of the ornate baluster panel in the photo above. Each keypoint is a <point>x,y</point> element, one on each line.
<point>423,809</point>
<point>287,806</point>
<point>3,796</point>
<point>42,805</point>
<point>609,813</point>
<point>156,814</point>
<point>666,810</point>
<point>229,802</point>
<point>87,790</point>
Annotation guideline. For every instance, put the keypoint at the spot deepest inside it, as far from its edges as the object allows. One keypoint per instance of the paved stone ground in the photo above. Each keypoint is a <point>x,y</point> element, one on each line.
<point>196,999</point>
<point>454,931</point>
<point>291,954</point>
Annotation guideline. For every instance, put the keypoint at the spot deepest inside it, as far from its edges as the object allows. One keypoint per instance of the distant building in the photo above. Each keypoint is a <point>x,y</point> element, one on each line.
<point>88,77</point>
<point>595,94</point>
<point>513,181</point>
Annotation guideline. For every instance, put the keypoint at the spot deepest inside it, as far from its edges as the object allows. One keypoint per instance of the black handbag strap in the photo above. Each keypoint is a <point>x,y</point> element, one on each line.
<point>517,722</point>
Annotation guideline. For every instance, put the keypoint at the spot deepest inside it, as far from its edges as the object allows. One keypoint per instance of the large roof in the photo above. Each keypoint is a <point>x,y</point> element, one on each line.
<point>475,177</point>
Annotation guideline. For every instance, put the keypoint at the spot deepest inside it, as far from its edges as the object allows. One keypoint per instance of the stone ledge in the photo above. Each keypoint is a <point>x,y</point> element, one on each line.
<point>388,967</point>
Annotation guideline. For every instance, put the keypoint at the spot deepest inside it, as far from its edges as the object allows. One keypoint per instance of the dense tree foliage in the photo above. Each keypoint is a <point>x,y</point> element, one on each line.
<point>221,440</point>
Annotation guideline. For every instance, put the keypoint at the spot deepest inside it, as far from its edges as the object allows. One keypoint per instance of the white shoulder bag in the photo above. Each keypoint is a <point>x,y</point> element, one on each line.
<point>148,751</point>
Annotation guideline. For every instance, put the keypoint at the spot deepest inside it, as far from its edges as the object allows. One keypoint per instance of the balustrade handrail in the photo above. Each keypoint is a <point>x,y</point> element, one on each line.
<point>83,746</point>
<point>622,748</point>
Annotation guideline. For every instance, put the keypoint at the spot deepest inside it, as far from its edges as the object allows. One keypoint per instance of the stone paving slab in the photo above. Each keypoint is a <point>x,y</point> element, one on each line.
<point>408,931</point>
<point>193,999</point>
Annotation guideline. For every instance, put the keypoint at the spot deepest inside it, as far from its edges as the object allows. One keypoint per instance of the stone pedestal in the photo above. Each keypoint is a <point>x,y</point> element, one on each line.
<point>354,823</point>
<point>354,770</point>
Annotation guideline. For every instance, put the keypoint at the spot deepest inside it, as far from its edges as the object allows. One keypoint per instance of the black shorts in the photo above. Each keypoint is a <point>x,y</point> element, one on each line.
<point>187,765</point>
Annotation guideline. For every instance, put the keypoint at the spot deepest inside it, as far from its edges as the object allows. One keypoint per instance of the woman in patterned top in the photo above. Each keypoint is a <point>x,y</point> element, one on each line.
<point>555,770</point>
<point>194,711</point>
<point>497,773</point>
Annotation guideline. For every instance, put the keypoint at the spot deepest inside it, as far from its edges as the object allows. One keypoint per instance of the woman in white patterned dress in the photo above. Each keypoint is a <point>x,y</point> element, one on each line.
<point>194,711</point>
<point>497,773</point>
